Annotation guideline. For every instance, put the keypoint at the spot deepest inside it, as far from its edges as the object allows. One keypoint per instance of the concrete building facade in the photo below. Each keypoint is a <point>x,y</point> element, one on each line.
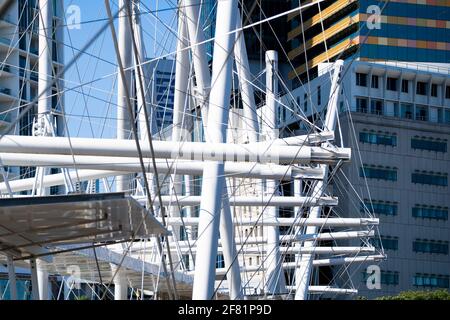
<point>396,119</point>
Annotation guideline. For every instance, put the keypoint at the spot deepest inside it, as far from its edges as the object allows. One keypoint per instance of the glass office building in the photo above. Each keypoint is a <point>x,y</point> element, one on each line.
<point>398,30</point>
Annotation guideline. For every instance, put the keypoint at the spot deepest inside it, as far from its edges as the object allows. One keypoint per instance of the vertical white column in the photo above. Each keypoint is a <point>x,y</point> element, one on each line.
<point>120,283</point>
<point>123,118</point>
<point>274,275</point>
<point>42,277</point>
<point>303,274</point>
<point>141,90</point>
<point>248,99</point>
<point>45,66</point>
<point>12,278</point>
<point>229,249</point>
<point>199,56</point>
<point>180,110</point>
<point>34,280</point>
<point>213,172</point>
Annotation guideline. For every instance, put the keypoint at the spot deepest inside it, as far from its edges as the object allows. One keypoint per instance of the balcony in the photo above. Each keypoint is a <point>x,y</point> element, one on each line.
<point>5,70</point>
<point>5,119</point>
<point>5,41</point>
<point>6,95</point>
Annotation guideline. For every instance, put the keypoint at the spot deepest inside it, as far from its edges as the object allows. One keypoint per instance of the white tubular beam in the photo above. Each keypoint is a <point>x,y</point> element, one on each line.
<point>139,69</point>
<point>45,61</point>
<point>335,235</point>
<point>126,164</point>
<point>275,201</point>
<point>303,273</point>
<point>255,171</point>
<point>326,289</point>
<point>167,150</point>
<point>298,238</point>
<point>246,89</point>
<point>215,131</point>
<point>180,110</point>
<point>12,278</point>
<point>319,262</point>
<point>339,261</point>
<point>34,279</point>
<point>318,222</point>
<point>310,250</point>
<point>42,276</point>
<point>274,282</point>
<point>120,283</point>
<point>313,138</point>
<point>200,151</point>
<point>123,116</point>
<point>58,179</point>
<point>200,59</point>
<point>227,238</point>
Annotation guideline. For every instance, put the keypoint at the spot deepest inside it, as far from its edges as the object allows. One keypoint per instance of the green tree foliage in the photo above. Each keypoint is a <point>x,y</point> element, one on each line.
<point>419,295</point>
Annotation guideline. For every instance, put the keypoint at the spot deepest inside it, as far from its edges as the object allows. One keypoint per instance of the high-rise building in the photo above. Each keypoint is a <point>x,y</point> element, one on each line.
<point>161,76</point>
<point>398,30</point>
<point>19,65</point>
<point>396,118</point>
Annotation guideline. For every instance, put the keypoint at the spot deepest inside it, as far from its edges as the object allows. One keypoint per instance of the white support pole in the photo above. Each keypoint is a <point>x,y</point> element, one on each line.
<point>317,222</point>
<point>213,173</point>
<point>12,278</point>
<point>180,113</point>
<point>45,68</point>
<point>251,125</point>
<point>34,279</point>
<point>42,276</point>
<point>200,59</point>
<point>229,249</point>
<point>303,273</point>
<point>123,117</point>
<point>274,282</point>
<point>140,69</point>
<point>253,201</point>
<point>120,283</point>
<point>249,170</point>
<point>203,151</point>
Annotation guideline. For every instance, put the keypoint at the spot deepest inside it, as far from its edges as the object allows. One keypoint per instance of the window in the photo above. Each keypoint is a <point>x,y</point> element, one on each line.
<point>434,90</point>
<point>389,277</point>
<point>361,105</point>
<point>429,144</point>
<point>430,212</point>
<point>378,138</point>
<point>430,246</point>
<point>405,86</point>
<point>305,102</point>
<point>186,261</point>
<point>430,178</point>
<point>391,84</point>
<point>447,92</point>
<point>430,280</point>
<point>319,96</point>
<point>382,173</point>
<point>422,113</point>
<point>361,79</point>
<point>183,234</point>
<point>374,82</point>
<point>220,261</point>
<point>380,207</point>
<point>387,242</point>
<point>421,88</point>
<point>386,277</point>
<point>406,111</point>
<point>376,107</point>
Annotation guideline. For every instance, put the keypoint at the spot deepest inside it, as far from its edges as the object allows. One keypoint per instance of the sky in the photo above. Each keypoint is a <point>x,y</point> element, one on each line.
<point>88,105</point>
